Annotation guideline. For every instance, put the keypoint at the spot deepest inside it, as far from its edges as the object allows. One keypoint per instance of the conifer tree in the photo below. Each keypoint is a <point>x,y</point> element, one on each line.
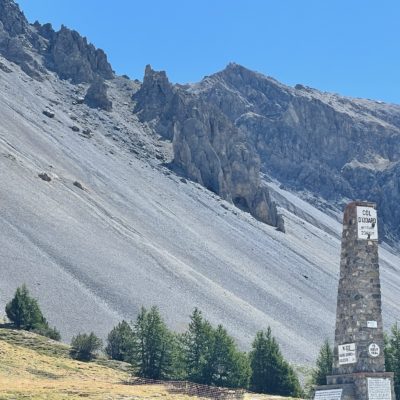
<point>197,346</point>
<point>154,345</point>
<point>226,366</point>
<point>392,356</point>
<point>24,312</point>
<point>270,372</point>
<point>120,342</point>
<point>323,365</point>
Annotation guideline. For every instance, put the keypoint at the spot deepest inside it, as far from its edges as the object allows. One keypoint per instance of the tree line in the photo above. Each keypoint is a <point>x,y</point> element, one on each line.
<point>202,354</point>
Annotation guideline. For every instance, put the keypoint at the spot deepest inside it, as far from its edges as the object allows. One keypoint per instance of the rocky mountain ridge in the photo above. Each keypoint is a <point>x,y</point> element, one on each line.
<point>235,123</point>
<point>335,147</point>
<point>96,213</point>
<point>36,47</point>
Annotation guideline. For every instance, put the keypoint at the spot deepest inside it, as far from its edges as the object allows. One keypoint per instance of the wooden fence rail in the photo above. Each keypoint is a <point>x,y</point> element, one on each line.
<point>192,389</point>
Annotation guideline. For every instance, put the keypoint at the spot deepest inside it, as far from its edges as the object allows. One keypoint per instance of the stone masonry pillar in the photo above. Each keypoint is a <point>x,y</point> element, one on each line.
<point>359,364</point>
<point>358,312</point>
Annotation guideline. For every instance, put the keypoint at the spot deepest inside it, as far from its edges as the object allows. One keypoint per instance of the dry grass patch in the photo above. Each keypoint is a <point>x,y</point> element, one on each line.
<point>36,368</point>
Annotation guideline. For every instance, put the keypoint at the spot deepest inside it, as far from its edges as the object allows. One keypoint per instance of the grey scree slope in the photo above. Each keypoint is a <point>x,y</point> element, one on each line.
<point>140,236</point>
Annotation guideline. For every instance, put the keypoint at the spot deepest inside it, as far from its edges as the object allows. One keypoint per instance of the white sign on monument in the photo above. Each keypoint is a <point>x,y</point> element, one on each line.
<point>333,394</point>
<point>374,350</point>
<point>379,389</point>
<point>347,353</point>
<point>367,223</point>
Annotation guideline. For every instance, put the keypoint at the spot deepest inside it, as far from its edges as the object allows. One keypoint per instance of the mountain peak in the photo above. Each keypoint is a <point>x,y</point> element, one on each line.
<point>12,18</point>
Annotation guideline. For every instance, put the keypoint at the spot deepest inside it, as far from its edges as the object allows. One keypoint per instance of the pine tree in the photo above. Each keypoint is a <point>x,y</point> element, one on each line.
<point>24,312</point>
<point>392,356</point>
<point>270,372</point>
<point>197,346</point>
<point>154,346</point>
<point>120,342</point>
<point>226,366</point>
<point>323,365</point>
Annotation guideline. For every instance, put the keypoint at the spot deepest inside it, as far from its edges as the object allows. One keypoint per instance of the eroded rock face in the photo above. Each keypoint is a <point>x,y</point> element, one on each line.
<point>208,148</point>
<point>65,52</point>
<point>72,57</point>
<point>15,34</point>
<point>13,20</point>
<point>333,146</point>
<point>96,96</point>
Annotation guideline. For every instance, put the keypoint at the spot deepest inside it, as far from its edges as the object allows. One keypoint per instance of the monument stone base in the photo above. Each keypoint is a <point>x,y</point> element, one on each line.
<point>357,386</point>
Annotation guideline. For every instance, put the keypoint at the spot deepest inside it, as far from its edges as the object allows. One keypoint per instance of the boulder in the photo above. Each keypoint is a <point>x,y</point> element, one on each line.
<point>96,95</point>
<point>44,176</point>
<point>48,113</point>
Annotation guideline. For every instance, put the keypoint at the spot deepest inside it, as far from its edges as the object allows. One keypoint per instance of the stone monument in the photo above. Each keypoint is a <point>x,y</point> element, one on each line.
<point>359,363</point>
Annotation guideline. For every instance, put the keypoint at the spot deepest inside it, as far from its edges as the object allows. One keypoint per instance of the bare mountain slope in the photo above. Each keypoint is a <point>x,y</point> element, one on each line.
<point>139,235</point>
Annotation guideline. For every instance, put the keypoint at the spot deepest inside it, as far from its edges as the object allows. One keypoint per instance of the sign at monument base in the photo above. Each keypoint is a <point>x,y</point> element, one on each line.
<point>357,386</point>
<point>379,389</point>
<point>330,394</point>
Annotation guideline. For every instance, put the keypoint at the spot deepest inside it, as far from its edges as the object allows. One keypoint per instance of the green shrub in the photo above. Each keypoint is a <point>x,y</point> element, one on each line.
<point>85,347</point>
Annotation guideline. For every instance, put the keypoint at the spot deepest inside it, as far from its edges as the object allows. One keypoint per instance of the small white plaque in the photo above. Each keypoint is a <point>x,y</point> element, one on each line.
<point>372,324</point>
<point>374,350</point>
<point>379,389</point>
<point>347,353</point>
<point>333,394</point>
<point>367,223</point>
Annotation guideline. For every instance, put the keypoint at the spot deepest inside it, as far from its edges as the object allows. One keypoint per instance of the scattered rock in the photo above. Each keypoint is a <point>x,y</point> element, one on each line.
<point>75,128</point>
<point>86,133</point>
<point>49,113</point>
<point>78,185</point>
<point>183,180</point>
<point>10,156</point>
<point>4,68</point>
<point>44,176</point>
<point>280,226</point>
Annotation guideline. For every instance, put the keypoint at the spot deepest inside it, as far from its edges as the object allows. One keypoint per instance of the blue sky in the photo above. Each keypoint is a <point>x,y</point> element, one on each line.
<point>351,47</point>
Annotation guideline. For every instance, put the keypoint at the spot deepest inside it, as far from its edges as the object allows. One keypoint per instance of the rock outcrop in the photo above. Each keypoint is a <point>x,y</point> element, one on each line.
<point>208,148</point>
<point>96,95</point>
<point>72,57</point>
<point>65,52</point>
<point>12,18</point>
<point>332,146</point>
<point>16,38</point>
